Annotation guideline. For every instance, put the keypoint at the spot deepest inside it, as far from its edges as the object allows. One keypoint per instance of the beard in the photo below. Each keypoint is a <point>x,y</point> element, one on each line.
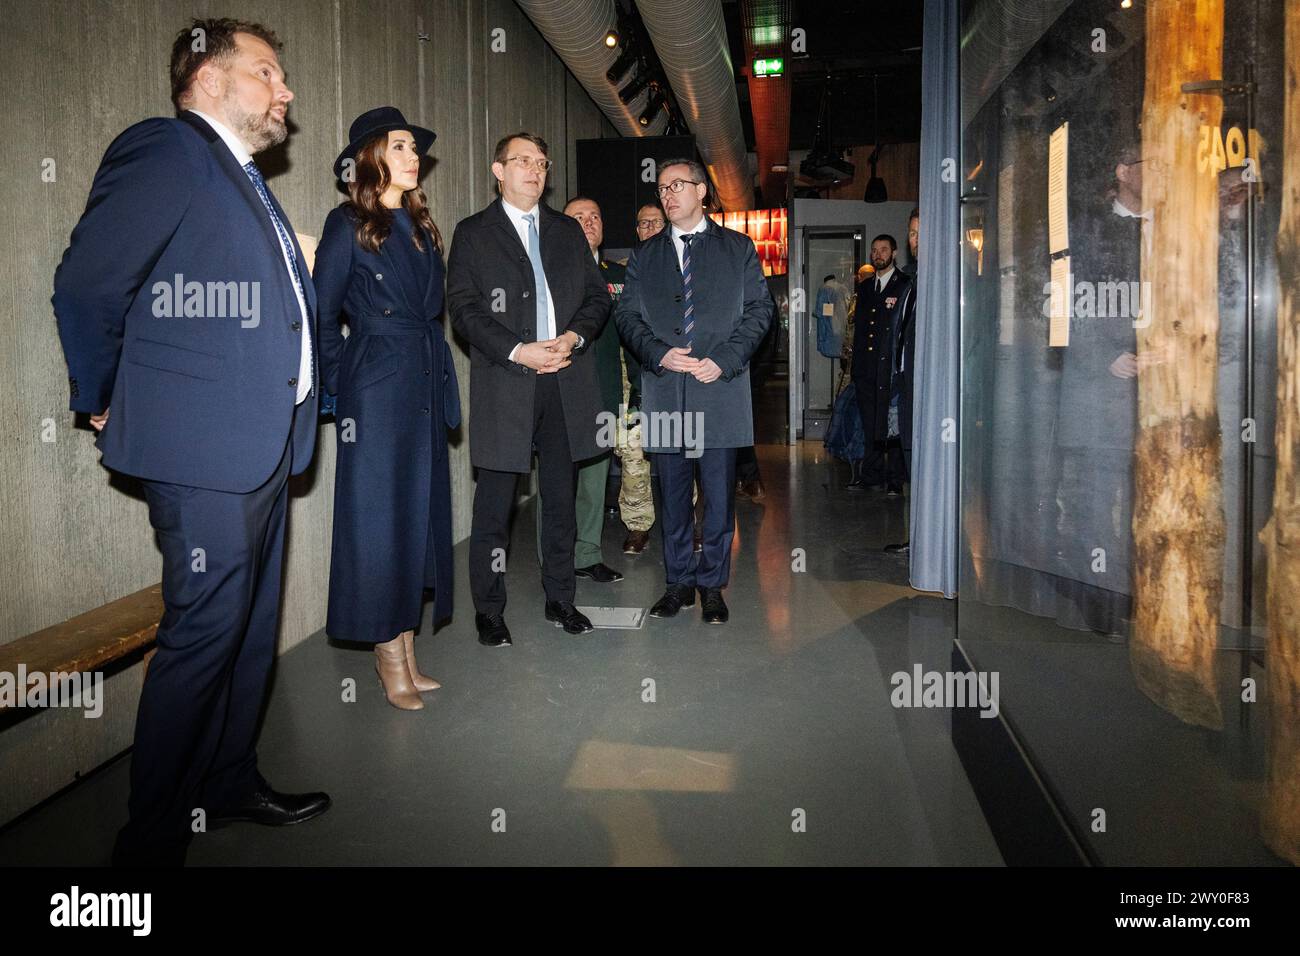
<point>260,130</point>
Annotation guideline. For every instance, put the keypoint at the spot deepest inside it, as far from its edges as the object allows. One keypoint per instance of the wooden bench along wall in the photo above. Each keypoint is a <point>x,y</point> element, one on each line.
<point>91,640</point>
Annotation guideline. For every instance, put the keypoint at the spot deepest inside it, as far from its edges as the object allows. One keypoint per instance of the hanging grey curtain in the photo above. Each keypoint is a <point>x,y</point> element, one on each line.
<point>934,529</point>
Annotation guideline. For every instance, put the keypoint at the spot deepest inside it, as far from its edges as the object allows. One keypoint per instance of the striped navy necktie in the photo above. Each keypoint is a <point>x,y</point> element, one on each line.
<point>689,326</point>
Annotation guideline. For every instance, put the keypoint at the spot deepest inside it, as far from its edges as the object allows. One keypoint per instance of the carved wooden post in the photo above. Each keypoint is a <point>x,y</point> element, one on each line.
<point>1177,501</point>
<point>1280,816</point>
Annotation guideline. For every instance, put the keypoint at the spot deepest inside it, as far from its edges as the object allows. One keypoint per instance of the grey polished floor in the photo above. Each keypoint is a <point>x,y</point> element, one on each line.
<point>768,741</point>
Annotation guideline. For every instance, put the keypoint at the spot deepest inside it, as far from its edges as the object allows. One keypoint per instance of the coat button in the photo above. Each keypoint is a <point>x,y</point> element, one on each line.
<point>426,371</point>
<point>388,311</point>
<point>296,326</point>
<point>293,383</point>
<point>527,294</point>
<point>677,331</point>
<point>379,276</point>
<point>425,410</point>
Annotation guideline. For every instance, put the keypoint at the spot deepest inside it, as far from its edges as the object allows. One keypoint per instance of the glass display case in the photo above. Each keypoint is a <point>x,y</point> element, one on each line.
<point>1122,213</point>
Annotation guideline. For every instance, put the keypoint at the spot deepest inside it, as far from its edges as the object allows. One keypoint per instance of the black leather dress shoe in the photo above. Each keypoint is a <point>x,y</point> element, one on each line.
<point>856,484</point>
<point>564,613</point>
<point>894,491</point>
<point>492,630</point>
<point>271,808</point>
<point>903,548</point>
<point>712,607</point>
<point>600,573</point>
<point>675,598</point>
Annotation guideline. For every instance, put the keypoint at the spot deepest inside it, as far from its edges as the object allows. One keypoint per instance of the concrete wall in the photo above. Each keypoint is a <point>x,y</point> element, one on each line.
<point>75,75</point>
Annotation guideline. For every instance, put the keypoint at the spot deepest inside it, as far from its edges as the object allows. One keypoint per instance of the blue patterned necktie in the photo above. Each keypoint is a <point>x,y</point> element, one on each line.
<point>688,326</point>
<point>259,184</point>
<point>539,277</point>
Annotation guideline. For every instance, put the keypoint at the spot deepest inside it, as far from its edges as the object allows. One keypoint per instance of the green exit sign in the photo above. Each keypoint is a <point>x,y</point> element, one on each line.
<point>771,66</point>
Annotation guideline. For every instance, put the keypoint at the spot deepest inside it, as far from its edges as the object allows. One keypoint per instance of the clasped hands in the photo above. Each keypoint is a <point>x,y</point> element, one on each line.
<point>548,355</point>
<point>679,359</point>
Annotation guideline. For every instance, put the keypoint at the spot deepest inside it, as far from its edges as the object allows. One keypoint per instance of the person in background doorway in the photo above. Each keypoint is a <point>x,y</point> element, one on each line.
<point>879,312</point>
<point>902,362</point>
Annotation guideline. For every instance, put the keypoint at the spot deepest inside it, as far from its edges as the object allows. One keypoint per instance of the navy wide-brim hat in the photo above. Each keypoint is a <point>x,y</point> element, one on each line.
<point>382,119</point>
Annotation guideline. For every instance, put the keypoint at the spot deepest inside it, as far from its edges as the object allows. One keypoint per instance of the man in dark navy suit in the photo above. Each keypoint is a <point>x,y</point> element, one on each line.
<point>694,309</point>
<point>185,308</point>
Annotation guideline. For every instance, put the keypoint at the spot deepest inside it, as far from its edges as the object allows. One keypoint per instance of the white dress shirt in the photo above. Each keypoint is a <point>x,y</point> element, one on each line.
<point>1119,209</point>
<point>694,230</point>
<point>882,278</point>
<point>243,157</point>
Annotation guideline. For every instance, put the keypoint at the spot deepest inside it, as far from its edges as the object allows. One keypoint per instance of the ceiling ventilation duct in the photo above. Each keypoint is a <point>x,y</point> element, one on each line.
<point>691,40</point>
<point>576,31</point>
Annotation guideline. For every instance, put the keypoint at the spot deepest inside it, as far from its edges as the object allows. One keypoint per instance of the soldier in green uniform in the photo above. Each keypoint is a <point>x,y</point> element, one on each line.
<point>594,473</point>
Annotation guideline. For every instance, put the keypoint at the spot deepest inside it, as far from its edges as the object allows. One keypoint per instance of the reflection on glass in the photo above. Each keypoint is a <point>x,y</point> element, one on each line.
<point>1114,488</point>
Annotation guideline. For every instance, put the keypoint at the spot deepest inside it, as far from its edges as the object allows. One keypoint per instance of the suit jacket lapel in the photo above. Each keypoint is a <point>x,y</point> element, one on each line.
<point>497,213</point>
<point>553,257</point>
<point>230,166</point>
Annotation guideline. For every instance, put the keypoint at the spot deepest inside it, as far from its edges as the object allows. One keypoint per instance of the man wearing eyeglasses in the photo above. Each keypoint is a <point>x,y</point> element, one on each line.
<point>649,221</point>
<point>694,308</point>
<point>525,291</point>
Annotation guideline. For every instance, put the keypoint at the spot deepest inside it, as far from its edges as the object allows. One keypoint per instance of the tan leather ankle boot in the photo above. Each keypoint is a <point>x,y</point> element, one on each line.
<point>395,676</point>
<point>421,681</point>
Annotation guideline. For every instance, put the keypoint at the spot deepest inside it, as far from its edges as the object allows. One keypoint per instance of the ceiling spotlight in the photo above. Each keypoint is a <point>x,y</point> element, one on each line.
<point>653,105</point>
<point>625,62</point>
<point>611,39</point>
<point>630,92</point>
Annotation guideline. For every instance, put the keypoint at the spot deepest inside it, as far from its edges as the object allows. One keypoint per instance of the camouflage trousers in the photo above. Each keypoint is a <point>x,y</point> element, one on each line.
<point>635,500</point>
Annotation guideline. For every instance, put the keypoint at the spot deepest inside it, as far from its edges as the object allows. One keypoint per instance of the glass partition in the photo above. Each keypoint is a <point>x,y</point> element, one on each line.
<point>1122,198</point>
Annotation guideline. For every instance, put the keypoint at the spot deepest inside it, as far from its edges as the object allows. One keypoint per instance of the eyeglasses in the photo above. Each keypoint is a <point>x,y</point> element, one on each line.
<point>649,223</point>
<point>676,186</point>
<point>527,162</point>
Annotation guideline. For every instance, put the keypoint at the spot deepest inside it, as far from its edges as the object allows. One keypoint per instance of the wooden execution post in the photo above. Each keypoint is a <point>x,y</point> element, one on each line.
<point>1178,526</point>
<point>1280,813</point>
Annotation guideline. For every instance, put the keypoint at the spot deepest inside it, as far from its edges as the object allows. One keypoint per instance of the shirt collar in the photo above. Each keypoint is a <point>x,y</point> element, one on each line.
<point>1119,209</point>
<point>885,276</point>
<point>242,155</point>
<point>699,227</point>
<point>516,213</point>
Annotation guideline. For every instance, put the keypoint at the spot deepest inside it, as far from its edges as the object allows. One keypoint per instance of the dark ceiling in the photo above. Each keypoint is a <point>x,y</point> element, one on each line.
<point>849,41</point>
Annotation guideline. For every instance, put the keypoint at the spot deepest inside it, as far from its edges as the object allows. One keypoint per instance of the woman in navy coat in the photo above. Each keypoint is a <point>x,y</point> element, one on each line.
<point>379,264</point>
